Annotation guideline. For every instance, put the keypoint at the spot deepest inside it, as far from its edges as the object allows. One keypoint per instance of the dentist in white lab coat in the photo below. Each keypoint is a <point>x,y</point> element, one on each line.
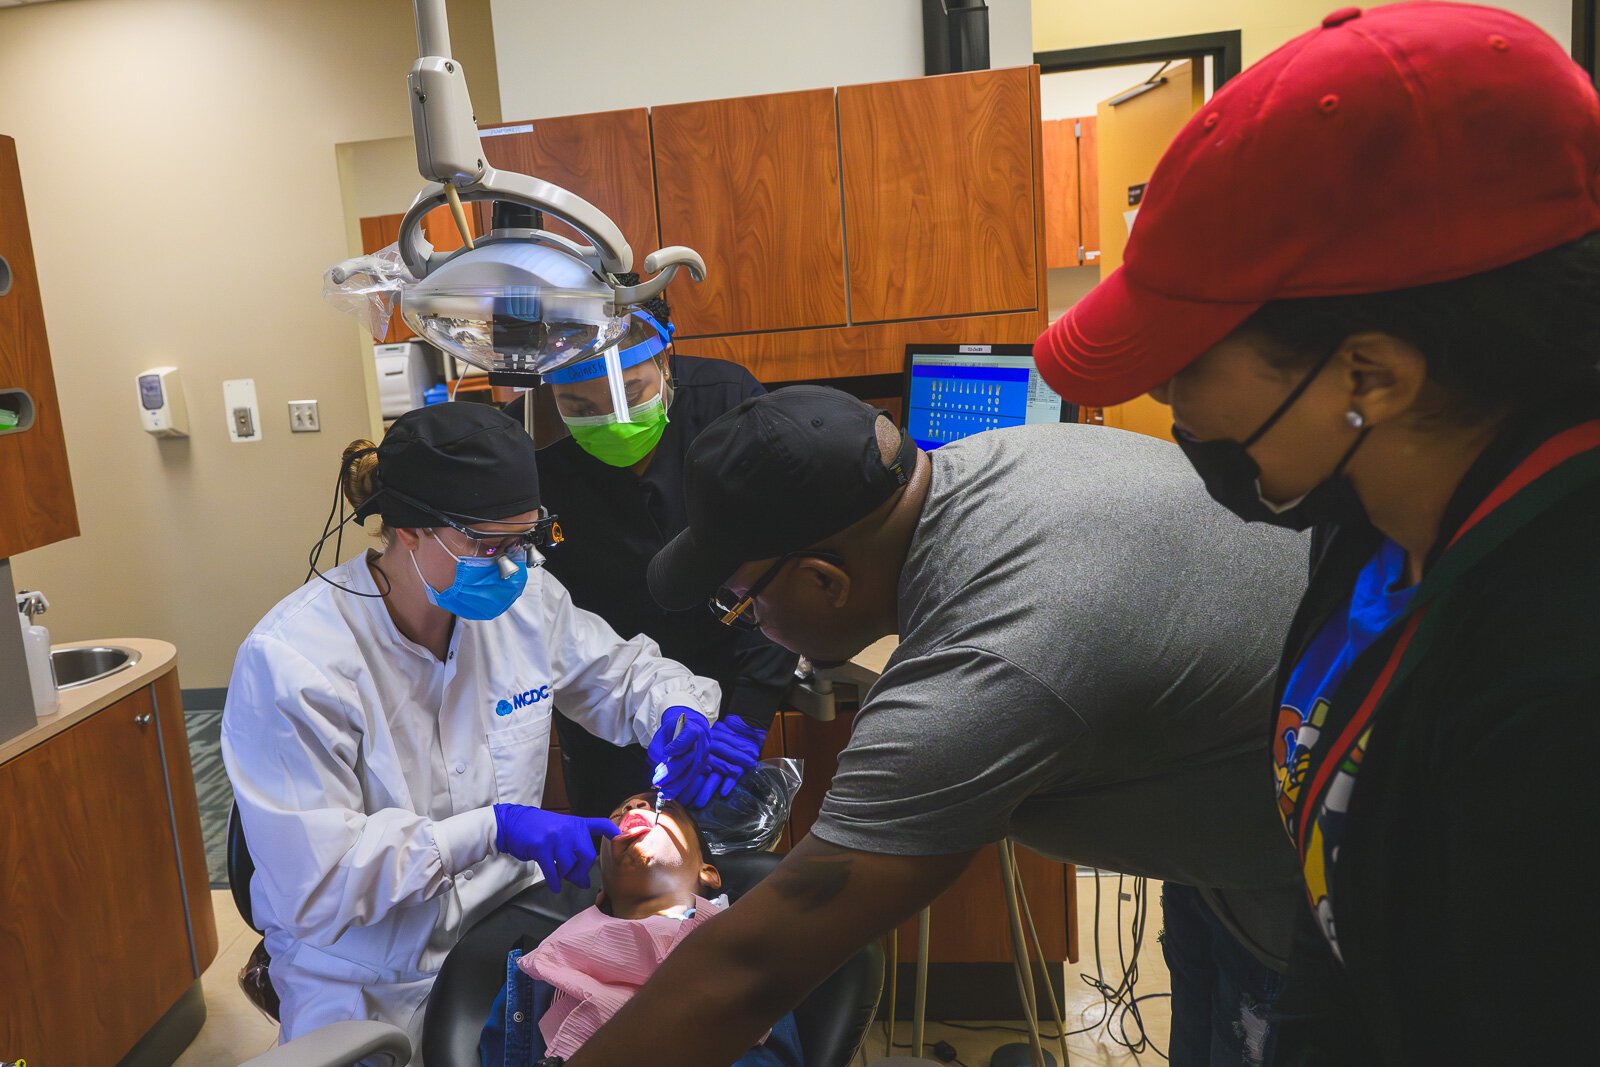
<point>387,727</point>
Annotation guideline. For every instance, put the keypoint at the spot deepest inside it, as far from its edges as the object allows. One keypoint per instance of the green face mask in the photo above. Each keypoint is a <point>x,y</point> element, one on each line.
<point>621,444</point>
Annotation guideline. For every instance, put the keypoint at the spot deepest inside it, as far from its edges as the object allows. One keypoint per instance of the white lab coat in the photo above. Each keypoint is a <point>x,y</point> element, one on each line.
<point>365,771</point>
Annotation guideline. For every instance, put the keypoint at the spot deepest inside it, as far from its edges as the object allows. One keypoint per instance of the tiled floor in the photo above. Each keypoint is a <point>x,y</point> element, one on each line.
<point>1095,1048</point>
<point>235,1031</point>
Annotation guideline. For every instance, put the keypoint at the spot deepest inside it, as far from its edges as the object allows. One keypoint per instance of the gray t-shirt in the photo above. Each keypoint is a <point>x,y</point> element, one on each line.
<point>1086,661</point>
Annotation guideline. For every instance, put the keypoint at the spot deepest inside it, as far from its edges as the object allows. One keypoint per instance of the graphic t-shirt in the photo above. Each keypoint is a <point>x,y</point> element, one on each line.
<point>1305,740</point>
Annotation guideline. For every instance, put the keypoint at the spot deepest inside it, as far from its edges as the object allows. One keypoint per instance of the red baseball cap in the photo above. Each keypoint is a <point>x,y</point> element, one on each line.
<point>1409,144</point>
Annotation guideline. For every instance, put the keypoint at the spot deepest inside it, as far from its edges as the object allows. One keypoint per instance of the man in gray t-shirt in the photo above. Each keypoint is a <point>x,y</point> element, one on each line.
<point>1087,647</point>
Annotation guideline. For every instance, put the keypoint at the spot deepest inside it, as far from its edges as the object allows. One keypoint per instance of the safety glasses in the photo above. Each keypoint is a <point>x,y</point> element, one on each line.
<point>543,532</point>
<point>739,612</point>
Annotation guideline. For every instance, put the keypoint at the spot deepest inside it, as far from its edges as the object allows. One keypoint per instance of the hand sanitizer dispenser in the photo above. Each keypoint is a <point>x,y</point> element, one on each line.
<point>36,648</point>
<point>162,411</point>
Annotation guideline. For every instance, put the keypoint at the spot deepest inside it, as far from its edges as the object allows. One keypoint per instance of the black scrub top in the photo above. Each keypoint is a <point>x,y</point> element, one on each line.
<point>616,521</point>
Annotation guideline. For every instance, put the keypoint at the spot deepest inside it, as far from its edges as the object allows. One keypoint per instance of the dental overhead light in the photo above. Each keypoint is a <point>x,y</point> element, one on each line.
<point>522,301</point>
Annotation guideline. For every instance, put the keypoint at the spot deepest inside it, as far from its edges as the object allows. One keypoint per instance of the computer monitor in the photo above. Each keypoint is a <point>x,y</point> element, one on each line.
<point>955,391</point>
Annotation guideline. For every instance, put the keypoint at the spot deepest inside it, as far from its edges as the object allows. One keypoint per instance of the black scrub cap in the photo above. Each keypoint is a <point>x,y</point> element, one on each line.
<point>462,460</point>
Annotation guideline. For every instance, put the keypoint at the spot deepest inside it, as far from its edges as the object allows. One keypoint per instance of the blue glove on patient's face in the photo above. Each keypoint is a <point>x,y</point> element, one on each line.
<point>735,748</point>
<point>562,845</point>
<point>679,751</point>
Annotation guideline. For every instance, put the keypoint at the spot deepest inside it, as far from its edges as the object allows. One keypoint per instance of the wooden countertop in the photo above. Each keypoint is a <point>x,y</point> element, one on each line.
<point>155,659</point>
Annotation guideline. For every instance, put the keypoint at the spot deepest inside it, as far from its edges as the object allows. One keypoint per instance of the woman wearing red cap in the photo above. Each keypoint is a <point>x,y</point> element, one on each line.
<point>1394,341</point>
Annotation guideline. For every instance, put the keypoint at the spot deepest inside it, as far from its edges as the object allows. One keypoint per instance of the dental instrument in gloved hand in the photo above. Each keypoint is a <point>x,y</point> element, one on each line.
<point>678,751</point>
<point>563,846</point>
<point>660,772</point>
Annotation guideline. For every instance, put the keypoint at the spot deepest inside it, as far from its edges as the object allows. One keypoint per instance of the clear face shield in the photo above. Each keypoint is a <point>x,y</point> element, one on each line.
<point>616,404</point>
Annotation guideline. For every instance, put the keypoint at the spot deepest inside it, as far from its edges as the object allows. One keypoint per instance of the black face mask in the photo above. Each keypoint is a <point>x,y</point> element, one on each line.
<point>1233,478</point>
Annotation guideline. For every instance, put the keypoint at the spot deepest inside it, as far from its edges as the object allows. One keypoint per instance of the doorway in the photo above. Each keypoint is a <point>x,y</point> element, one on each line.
<point>1107,114</point>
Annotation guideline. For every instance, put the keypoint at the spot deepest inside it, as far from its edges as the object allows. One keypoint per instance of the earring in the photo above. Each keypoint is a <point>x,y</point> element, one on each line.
<point>1355,418</point>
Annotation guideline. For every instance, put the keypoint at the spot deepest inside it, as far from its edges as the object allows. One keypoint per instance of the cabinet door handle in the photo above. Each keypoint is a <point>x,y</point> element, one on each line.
<point>142,720</point>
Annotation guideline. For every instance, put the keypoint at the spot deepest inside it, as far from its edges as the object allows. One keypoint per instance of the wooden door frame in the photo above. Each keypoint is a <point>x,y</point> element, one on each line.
<point>1586,36</point>
<point>1225,49</point>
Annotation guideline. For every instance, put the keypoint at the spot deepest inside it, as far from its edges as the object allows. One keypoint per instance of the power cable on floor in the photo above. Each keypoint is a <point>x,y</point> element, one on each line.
<point>1118,1003</point>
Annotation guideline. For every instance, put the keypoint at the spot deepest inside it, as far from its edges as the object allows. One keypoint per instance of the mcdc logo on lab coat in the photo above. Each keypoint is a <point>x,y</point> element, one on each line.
<point>522,700</point>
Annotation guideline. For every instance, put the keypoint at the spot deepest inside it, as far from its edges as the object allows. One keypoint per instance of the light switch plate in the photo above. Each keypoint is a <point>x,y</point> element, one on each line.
<point>303,417</point>
<point>241,410</point>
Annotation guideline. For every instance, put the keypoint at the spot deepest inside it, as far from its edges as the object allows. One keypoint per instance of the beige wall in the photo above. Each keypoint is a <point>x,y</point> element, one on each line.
<point>557,57</point>
<point>1071,94</point>
<point>179,165</point>
<point>1264,24</point>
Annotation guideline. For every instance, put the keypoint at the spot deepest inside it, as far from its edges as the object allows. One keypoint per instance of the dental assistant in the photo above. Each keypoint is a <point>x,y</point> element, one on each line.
<point>618,487</point>
<point>387,726</point>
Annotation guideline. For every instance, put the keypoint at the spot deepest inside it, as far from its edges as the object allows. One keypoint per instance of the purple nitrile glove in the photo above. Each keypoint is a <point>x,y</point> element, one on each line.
<point>562,845</point>
<point>735,748</point>
<point>679,751</point>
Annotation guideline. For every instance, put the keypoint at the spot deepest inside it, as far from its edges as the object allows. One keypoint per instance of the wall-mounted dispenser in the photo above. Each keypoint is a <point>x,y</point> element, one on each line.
<point>162,410</point>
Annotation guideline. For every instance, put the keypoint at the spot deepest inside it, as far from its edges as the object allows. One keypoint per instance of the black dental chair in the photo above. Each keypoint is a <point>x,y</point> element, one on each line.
<point>832,1021</point>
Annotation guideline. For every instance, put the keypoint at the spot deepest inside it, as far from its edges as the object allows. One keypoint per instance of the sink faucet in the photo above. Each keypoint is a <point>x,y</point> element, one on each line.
<point>32,604</point>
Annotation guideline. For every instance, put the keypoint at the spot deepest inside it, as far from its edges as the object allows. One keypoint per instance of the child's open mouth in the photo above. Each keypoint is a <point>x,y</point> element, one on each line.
<point>635,825</point>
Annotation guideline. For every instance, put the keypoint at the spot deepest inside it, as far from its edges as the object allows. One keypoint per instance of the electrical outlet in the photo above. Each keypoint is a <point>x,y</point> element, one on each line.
<point>244,414</point>
<point>303,417</point>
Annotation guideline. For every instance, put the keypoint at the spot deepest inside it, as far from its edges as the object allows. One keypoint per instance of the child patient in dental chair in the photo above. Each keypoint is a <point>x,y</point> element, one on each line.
<point>655,878</point>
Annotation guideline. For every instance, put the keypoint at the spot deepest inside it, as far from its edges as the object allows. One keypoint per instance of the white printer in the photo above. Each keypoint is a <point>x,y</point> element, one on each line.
<point>405,371</point>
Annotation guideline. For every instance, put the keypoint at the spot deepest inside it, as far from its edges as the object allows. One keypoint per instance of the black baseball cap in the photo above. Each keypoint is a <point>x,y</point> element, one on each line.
<point>776,474</point>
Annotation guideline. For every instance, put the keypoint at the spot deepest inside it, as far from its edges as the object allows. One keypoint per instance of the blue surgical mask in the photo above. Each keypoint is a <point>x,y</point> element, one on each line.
<point>479,591</point>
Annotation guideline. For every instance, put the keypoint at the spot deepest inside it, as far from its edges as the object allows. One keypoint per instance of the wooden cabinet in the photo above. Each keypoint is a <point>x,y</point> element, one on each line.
<point>1071,192</point>
<point>1089,187</point>
<point>441,230</point>
<point>877,348</point>
<point>752,184</point>
<point>103,874</point>
<point>39,508</point>
<point>603,157</point>
<point>837,226</point>
<point>939,194</point>
<point>380,231</point>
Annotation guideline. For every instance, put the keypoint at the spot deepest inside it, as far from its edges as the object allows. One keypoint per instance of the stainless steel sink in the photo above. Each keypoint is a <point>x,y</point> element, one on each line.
<point>81,666</point>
